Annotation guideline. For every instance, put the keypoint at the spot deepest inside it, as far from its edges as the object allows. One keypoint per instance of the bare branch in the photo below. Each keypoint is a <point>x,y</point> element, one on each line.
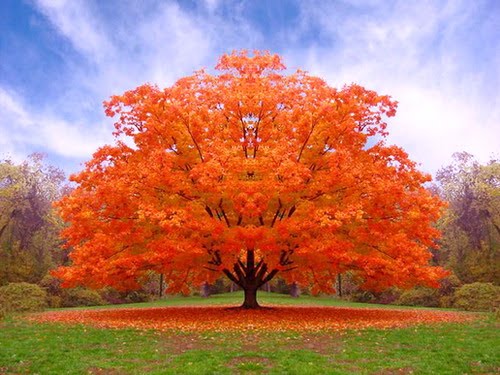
<point>231,277</point>
<point>210,269</point>
<point>269,277</point>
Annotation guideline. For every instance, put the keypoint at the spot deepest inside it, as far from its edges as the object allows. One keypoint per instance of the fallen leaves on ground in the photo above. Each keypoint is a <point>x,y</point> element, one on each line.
<point>220,318</point>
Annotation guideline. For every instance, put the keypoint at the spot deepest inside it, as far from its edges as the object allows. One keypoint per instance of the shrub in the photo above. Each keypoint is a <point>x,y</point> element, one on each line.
<point>446,301</point>
<point>80,297</point>
<point>3,307</point>
<point>115,297</point>
<point>420,296</point>
<point>54,301</point>
<point>386,297</point>
<point>51,284</point>
<point>137,296</point>
<point>362,296</point>
<point>22,297</point>
<point>449,284</point>
<point>112,296</point>
<point>478,297</point>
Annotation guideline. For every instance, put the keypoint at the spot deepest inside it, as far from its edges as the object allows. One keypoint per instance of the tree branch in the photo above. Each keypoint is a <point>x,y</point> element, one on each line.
<point>269,277</point>
<point>210,269</point>
<point>231,277</point>
<point>307,140</point>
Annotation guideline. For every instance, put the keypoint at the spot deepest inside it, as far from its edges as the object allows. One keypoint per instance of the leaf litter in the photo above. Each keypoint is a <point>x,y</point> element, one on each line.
<point>275,319</point>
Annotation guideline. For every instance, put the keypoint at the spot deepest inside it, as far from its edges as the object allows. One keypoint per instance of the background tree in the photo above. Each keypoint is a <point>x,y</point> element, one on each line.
<point>250,173</point>
<point>471,226</point>
<point>29,229</point>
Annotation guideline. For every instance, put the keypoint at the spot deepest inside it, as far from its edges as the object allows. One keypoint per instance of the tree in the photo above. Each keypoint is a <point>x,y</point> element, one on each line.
<point>250,173</point>
<point>471,225</point>
<point>28,227</point>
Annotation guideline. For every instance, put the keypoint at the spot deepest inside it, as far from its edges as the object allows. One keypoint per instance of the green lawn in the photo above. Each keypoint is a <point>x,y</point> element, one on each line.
<point>264,298</point>
<point>468,348</point>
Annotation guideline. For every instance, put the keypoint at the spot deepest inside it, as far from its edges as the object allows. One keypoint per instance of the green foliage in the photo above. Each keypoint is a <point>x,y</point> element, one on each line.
<point>448,285</point>
<point>29,227</point>
<point>80,297</point>
<point>51,284</point>
<point>478,297</point>
<point>386,297</point>
<point>471,224</point>
<point>54,301</point>
<point>3,307</point>
<point>420,296</point>
<point>136,296</point>
<point>22,297</point>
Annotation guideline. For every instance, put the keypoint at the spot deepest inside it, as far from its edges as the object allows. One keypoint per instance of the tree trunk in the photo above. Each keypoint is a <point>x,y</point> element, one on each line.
<point>205,290</point>
<point>250,301</point>
<point>160,291</point>
<point>294,290</point>
<point>339,284</point>
<point>250,277</point>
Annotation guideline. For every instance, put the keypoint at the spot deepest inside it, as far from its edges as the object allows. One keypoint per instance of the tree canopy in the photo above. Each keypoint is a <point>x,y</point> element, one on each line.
<point>29,228</point>
<point>471,225</point>
<point>250,172</point>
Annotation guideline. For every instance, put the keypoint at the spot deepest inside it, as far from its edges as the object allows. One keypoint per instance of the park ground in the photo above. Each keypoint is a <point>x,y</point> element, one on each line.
<point>438,343</point>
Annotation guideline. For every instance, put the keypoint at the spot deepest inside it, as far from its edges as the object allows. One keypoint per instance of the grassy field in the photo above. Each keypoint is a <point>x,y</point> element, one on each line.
<point>236,299</point>
<point>465,348</point>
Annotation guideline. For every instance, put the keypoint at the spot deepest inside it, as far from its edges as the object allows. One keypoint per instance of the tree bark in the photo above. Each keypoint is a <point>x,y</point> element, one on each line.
<point>294,290</point>
<point>250,301</point>
<point>160,291</point>
<point>339,284</point>
<point>250,277</point>
<point>205,290</point>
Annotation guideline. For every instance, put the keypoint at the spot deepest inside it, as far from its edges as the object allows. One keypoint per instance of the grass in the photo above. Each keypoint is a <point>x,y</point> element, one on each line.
<point>466,348</point>
<point>236,299</point>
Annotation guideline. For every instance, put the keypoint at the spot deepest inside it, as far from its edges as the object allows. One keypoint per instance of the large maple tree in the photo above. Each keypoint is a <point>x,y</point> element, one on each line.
<point>250,173</point>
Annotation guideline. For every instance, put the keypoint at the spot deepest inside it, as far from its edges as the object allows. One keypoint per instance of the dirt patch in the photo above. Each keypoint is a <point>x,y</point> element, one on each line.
<point>249,364</point>
<point>319,343</point>
<point>250,342</point>
<point>396,371</point>
<point>183,342</point>
<point>104,371</point>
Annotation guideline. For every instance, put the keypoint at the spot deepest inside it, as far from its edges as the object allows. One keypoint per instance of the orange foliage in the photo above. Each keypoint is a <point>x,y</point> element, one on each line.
<point>276,319</point>
<point>251,173</point>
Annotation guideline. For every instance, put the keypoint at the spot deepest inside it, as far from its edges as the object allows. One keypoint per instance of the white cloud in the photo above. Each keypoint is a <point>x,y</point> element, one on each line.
<point>155,42</point>
<point>211,5</point>
<point>76,21</point>
<point>415,52</point>
<point>23,128</point>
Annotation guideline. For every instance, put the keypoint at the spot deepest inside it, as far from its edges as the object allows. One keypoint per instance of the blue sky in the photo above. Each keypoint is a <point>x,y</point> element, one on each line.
<point>60,59</point>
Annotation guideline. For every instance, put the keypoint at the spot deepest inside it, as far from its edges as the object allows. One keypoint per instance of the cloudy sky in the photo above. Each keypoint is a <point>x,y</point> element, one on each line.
<point>59,59</point>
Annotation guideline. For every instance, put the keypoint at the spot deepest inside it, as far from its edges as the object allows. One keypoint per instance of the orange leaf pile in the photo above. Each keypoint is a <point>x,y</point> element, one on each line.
<point>222,318</point>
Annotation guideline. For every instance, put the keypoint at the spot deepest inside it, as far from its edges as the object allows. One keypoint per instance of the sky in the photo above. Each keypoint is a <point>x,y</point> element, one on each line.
<point>60,59</point>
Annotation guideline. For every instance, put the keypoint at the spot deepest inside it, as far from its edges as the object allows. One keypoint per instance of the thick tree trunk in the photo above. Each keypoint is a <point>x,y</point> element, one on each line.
<point>250,301</point>
<point>250,277</point>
